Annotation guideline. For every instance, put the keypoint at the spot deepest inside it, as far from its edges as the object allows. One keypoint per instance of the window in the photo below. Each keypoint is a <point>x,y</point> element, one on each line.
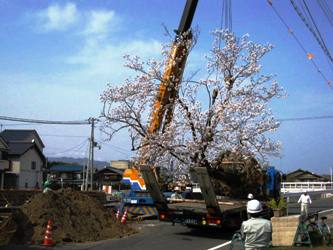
<point>33,165</point>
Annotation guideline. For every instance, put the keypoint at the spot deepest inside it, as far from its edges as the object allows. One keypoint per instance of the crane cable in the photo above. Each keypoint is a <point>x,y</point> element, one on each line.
<point>308,55</point>
<point>225,24</point>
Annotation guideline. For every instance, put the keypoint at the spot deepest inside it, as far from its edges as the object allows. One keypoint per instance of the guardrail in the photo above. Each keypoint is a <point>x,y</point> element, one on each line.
<point>296,188</point>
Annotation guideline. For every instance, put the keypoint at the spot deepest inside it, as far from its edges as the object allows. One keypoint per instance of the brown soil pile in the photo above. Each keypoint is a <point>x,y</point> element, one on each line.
<point>8,227</point>
<point>76,218</point>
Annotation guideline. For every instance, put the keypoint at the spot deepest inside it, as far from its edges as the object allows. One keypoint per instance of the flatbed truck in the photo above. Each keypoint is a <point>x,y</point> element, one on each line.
<point>212,211</point>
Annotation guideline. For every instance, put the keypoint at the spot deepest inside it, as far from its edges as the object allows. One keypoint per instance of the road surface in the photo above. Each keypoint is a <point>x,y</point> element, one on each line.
<point>164,236</point>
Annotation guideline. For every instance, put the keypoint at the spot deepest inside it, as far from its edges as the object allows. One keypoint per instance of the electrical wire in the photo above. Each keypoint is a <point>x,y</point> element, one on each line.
<point>19,124</point>
<point>75,148</point>
<point>114,148</point>
<point>327,11</point>
<point>69,136</point>
<point>112,145</point>
<point>82,122</point>
<point>307,118</point>
<point>290,31</point>
<point>312,27</point>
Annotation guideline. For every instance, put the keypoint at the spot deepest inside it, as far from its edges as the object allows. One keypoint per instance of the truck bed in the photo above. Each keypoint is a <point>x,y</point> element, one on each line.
<point>199,206</point>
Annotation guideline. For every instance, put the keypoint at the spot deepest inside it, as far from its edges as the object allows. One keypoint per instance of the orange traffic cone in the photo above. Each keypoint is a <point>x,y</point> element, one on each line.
<point>118,215</point>
<point>48,235</point>
<point>124,218</point>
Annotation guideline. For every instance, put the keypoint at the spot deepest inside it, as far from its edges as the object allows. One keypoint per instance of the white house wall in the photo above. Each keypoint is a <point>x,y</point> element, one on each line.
<point>15,166</point>
<point>28,177</point>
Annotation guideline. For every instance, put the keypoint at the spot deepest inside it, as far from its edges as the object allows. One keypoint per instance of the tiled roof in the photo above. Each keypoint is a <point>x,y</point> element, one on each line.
<point>20,135</point>
<point>111,169</point>
<point>18,148</point>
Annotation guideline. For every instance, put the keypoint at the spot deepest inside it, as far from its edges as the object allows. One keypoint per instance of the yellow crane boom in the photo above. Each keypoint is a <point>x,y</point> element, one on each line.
<point>166,96</point>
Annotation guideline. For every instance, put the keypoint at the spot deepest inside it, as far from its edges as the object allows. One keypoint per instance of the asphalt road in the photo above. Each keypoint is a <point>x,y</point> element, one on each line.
<point>152,235</point>
<point>316,206</point>
<point>164,236</point>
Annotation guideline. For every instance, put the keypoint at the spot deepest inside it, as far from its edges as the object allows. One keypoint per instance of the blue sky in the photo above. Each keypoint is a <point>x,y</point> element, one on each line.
<point>58,56</point>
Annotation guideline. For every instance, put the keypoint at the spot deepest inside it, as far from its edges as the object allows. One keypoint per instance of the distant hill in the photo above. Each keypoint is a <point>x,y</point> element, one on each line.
<point>79,161</point>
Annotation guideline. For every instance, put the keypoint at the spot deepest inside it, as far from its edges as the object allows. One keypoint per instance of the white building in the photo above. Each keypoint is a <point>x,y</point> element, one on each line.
<point>25,157</point>
<point>120,164</point>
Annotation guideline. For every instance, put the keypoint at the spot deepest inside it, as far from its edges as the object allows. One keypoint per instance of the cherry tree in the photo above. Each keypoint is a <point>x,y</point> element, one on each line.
<point>226,110</point>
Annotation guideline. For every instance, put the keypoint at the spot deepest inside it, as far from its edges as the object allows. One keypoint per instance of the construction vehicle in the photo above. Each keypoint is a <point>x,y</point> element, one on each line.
<point>133,178</point>
<point>212,210</point>
<point>138,198</point>
<point>137,202</point>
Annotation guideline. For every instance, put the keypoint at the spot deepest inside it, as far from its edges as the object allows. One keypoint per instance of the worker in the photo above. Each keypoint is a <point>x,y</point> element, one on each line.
<point>305,200</point>
<point>47,186</point>
<point>249,197</point>
<point>256,232</point>
<point>324,230</point>
<point>176,195</point>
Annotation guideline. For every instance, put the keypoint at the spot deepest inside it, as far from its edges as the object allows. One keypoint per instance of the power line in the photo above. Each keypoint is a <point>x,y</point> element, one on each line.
<point>306,118</point>
<point>75,148</point>
<point>74,136</point>
<point>19,124</point>
<point>327,11</point>
<point>112,145</point>
<point>309,55</point>
<point>312,27</point>
<point>82,122</point>
<point>114,148</point>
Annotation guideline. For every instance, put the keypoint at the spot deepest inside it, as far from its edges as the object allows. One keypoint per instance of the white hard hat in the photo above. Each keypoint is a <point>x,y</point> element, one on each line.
<point>177,188</point>
<point>250,196</point>
<point>253,207</point>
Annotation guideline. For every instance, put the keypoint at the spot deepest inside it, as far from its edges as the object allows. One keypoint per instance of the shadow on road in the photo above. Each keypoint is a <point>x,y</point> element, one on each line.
<point>209,233</point>
<point>22,247</point>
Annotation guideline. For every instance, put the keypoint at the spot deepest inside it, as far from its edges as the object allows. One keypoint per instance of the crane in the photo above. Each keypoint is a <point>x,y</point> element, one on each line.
<point>168,90</point>
<point>165,98</point>
<point>164,103</point>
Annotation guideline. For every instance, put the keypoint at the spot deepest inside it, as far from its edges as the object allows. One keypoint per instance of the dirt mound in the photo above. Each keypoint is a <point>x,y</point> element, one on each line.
<point>8,227</point>
<point>76,218</point>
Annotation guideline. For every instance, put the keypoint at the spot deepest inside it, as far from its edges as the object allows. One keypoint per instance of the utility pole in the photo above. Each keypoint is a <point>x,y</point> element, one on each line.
<point>83,178</point>
<point>331,177</point>
<point>88,168</point>
<point>92,146</point>
<point>89,173</point>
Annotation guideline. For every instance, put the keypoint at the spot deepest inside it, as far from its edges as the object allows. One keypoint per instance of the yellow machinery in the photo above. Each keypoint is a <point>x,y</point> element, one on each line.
<point>163,107</point>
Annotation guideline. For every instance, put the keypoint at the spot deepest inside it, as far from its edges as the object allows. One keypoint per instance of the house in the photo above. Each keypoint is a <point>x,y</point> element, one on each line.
<point>301,175</point>
<point>4,163</point>
<point>66,175</point>
<point>26,159</point>
<point>109,176</point>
